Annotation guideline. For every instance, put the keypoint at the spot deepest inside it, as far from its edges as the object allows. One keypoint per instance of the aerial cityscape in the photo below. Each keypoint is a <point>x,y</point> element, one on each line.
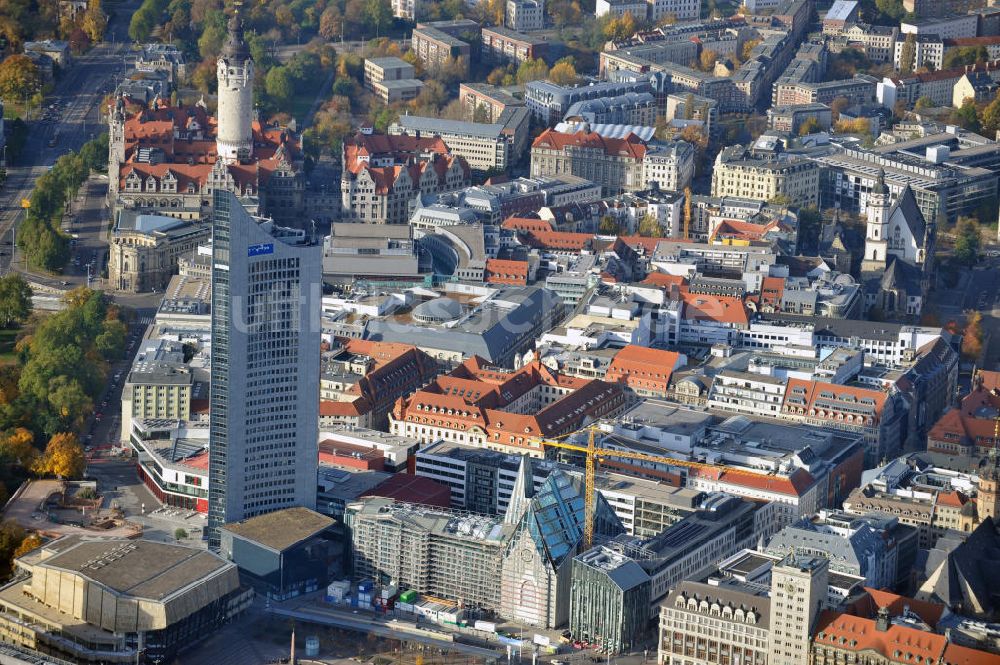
<point>472,332</point>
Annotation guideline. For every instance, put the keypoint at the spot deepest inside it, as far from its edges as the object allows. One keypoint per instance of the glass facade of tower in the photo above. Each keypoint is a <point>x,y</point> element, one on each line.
<point>265,371</point>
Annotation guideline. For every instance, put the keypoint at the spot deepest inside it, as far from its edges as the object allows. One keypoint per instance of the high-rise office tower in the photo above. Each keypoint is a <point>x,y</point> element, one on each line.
<point>264,418</point>
<point>799,586</point>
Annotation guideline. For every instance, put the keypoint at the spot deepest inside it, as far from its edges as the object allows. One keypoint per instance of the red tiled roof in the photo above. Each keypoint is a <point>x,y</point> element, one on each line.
<point>557,240</point>
<point>526,224</point>
<point>737,228</point>
<point>631,146</point>
<point>956,654</point>
<point>664,279</point>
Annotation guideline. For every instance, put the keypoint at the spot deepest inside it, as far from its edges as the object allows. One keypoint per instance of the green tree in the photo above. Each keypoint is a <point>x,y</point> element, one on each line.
<point>968,241</point>
<point>63,457</point>
<point>532,70</point>
<point>608,226</point>
<point>924,102</point>
<point>649,227</point>
<point>15,299</point>
<point>808,126</point>
<point>989,117</point>
<point>966,116</point>
<point>19,76</point>
<point>180,534</point>
<point>279,85</point>
<point>908,54</point>
<point>890,11</point>
<point>69,401</point>
<point>377,14</point>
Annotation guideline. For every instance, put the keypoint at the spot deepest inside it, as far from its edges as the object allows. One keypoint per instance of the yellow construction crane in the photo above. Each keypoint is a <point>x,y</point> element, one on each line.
<point>592,453</point>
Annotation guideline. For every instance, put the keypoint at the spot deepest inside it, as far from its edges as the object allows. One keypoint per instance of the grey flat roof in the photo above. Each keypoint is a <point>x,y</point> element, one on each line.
<point>840,10</point>
<point>282,528</point>
<point>139,568</point>
<point>442,126</point>
<point>388,61</point>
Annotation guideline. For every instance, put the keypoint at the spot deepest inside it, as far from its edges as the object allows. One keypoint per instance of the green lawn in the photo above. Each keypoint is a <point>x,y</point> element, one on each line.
<point>7,339</point>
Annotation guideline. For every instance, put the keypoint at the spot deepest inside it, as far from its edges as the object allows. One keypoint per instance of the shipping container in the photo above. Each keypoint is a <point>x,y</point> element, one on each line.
<point>487,626</point>
<point>408,596</point>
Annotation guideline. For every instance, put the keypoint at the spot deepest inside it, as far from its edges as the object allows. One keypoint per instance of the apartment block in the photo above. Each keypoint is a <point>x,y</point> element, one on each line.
<point>928,51</point>
<point>525,15</point>
<point>506,45</point>
<point>489,100</point>
<point>439,47</point>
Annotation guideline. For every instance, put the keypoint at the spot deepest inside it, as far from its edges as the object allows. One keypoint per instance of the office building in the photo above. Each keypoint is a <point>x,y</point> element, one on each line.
<point>282,554</point>
<point>392,79</point>
<point>488,100</point>
<point>799,587</point>
<point>106,600</point>
<point>617,163</point>
<point>484,146</point>
<point>265,374</point>
<point>788,178</point>
<point>448,554</point>
<point>703,623</point>
<point>549,102</point>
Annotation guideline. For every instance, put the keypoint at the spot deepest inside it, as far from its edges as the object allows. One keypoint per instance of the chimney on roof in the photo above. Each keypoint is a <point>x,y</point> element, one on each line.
<point>882,622</point>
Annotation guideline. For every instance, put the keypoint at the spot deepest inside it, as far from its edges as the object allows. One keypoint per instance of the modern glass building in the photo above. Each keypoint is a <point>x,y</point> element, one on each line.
<point>264,418</point>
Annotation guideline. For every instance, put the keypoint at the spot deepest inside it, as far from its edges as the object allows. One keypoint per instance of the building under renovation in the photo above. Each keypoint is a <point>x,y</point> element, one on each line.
<point>516,566</point>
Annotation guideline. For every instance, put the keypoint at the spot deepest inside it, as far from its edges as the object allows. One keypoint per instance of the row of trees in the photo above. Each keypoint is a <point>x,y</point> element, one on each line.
<point>62,364</point>
<point>39,236</point>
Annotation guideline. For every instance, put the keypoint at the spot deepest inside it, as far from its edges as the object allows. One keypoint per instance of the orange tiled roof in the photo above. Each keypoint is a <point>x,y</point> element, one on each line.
<point>897,644</point>
<point>501,271</point>
<point>951,499</point>
<point>829,401</point>
<point>664,279</point>
<point>630,147</point>
<point>640,367</point>
<point>956,654</point>
<point>874,599</point>
<point>723,309</point>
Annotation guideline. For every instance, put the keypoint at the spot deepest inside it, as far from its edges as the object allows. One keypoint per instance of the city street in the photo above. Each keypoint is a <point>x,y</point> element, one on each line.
<point>79,91</point>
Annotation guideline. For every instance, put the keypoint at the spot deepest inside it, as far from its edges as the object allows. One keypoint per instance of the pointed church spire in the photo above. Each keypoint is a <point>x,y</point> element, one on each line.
<point>520,496</point>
